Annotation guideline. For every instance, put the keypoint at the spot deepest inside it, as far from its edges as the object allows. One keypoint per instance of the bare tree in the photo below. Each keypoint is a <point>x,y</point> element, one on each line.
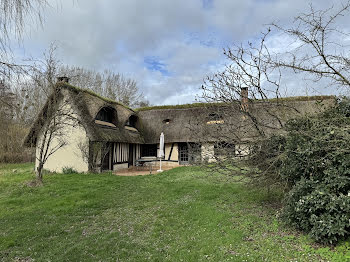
<point>7,105</point>
<point>55,116</point>
<point>249,76</point>
<point>33,90</point>
<point>7,100</point>
<point>53,131</point>
<point>229,94</point>
<point>108,84</point>
<point>251,82</point>
<point>14,15</point>
<point>320,49</point>
<point>245,109</point>
<point>94,153</point>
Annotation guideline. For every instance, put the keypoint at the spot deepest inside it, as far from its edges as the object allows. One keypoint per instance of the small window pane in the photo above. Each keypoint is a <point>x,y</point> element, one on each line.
<point>149,150</point>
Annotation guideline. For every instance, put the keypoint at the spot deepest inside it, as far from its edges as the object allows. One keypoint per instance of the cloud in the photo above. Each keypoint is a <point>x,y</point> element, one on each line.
<point>167,46</point>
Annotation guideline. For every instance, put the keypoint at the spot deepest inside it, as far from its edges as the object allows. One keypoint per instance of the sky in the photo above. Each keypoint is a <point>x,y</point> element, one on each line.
<point>167,46</point>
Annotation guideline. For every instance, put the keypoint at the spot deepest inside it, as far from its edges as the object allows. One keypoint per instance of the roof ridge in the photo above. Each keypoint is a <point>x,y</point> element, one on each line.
<point>92,93</point>
<point>203,104</point>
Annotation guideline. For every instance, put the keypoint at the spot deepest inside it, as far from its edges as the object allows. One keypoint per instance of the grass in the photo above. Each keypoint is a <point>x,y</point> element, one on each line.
<point>179,215</point>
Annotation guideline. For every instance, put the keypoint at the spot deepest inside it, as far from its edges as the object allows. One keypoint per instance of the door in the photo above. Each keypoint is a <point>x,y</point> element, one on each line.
<point>106,160</point>
<point>183,153</point>
<point>131,155</point>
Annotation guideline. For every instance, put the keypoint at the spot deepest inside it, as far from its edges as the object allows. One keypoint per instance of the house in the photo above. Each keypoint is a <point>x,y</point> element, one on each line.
<point>100,134</point>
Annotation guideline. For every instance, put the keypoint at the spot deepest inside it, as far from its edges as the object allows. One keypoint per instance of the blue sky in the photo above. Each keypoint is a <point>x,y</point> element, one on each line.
<point>167,46</point>
<point>155,64</point>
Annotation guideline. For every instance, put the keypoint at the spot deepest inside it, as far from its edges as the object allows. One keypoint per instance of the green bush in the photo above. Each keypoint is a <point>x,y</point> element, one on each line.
<point>69,170</point>
<point>265,162</point>
<point>314,207</point>
<point>316,165</point>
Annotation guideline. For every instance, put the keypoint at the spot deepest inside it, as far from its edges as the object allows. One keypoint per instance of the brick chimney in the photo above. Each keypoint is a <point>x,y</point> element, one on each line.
<point>244,99</point>
<point>64,79</point>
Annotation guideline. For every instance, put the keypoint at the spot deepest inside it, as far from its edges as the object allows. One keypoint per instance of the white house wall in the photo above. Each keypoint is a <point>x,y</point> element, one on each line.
<point>174,154</point>
<point>167,149</point>
<point>70,155</point>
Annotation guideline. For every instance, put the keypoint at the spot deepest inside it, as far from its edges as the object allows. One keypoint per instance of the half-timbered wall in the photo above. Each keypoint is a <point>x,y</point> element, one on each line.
<point>121,153</point>
<point>136,153</point>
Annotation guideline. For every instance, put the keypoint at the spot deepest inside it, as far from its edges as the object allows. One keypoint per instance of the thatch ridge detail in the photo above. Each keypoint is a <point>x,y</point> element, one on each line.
<point>203,104</point>
<point>90,92</point>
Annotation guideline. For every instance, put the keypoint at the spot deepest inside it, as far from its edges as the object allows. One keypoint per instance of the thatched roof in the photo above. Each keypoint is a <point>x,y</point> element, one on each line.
<point>87,104</point>
<point>197,122</point>
<point>194,123</point>
<point>177,124</point>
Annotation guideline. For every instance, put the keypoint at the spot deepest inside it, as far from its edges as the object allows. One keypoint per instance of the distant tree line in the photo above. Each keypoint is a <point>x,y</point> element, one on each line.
<point>107,84</point>
<point>25,87</point>
<point>22,97</point>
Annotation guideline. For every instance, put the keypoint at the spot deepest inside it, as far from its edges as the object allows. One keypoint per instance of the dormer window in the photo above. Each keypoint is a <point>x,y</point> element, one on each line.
<point>106,116</point>
<point>131,121</point>
<point>215,118</point>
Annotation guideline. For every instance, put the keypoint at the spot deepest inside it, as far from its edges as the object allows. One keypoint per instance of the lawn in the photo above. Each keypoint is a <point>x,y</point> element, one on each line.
<point>182,214</point>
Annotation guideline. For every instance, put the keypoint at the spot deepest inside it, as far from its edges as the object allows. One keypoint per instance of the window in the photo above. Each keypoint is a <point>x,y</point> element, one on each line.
<point>131,121</point>
<point>215,118</point>
<point>121,153</point>
<point>183,153</point>
<point>107,114</point>
<point>166,121</point>
<point>149,150</point>
<point>224,149</point>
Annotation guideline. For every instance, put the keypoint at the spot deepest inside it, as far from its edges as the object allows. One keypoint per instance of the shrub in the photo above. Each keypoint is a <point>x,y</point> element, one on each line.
<point>11,143</point>
<point>69,170</point>
<point>314,207</point>
<point>316,166</point>
<point>265,161</point>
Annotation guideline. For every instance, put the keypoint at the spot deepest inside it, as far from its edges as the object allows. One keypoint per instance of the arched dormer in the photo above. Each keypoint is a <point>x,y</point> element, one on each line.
<point>131,123</point>
<point>166,121</point>
<point>107,116</point>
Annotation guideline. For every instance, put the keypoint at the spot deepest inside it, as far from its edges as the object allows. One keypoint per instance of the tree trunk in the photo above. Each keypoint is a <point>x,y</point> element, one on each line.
<point>39,173</point>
